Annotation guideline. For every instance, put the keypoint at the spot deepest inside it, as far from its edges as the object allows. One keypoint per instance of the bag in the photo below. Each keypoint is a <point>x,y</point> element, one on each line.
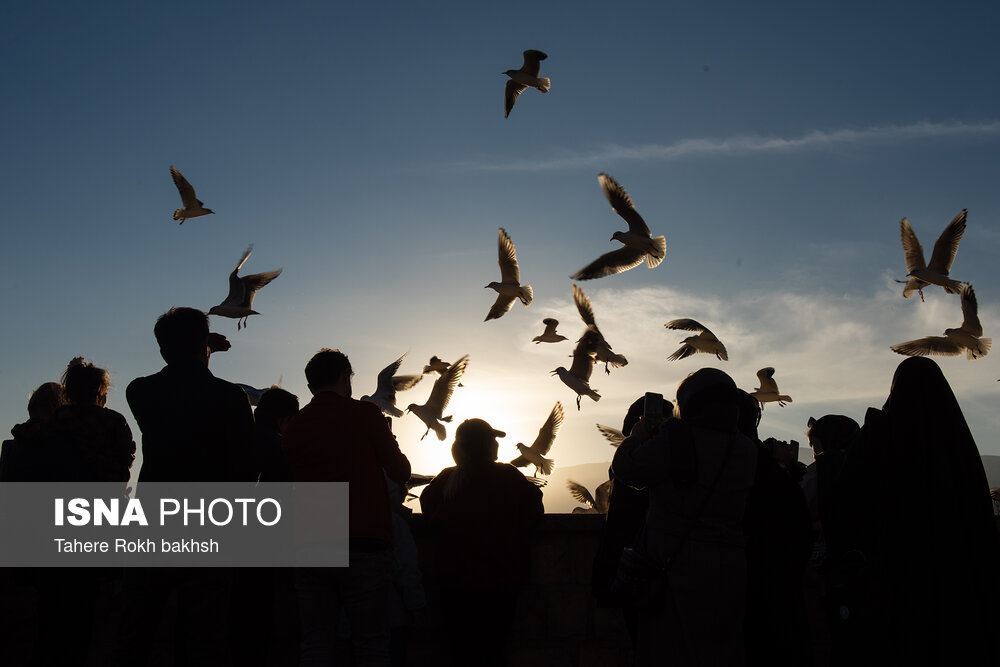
<point>640,581</point>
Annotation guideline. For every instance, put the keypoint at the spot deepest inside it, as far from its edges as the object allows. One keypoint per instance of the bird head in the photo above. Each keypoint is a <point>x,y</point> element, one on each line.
<point>520,447</point>
<point>493,284</point>
<point>618,236</point>
<point>214,310</point>
<point>409,408</point>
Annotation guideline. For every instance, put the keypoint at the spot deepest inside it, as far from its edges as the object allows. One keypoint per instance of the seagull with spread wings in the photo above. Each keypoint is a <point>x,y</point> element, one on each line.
<point>509,288</point>
<point>600,348</point>
<point>577,377</point>
<point>638,241</point>
<point>581,494</point>
<point>705,341</point>
<point>430,413</point>
<point>193,207</point>
<point>388,384</point>
<point>520,79</point>
<point>767,392</point>
<point>967,337</point>
<point>239,303</point>
<point>549,335</point>
<point>935,272</point>
<point>543,443</point>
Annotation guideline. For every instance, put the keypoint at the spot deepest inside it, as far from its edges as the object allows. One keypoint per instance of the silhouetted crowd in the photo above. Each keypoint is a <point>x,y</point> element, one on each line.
<point>883,551</point>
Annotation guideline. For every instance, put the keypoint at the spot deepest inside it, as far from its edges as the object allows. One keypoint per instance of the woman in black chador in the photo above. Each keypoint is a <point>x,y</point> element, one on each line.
<point>921,533</point>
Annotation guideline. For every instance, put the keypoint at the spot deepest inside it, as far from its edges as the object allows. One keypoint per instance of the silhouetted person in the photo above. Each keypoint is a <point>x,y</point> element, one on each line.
<point>263,616</point>
<point>195,428</point>
<point>15,464</point>
<point>82,441</point>
<point>338,439</point>
<point>779,540</point>
<point>915,495</point>
<point>830,437</point>
<point>481,514</point>
<point>699,470</point>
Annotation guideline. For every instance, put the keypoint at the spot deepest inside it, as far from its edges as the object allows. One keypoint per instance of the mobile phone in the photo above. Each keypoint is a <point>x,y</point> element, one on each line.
<point>652,410</point>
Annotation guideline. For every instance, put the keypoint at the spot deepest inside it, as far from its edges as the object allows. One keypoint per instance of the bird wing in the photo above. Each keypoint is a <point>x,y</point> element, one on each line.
<point>500,306</point>
<point>610,263</point>
<point>237,289</point>
<point>404,382</point>
<point>613,435</point>
<point>583,306</point>
<point>435,365</point>
<point>532,62</point>
<point>580,493</point>
<point>510,95</point>
<point>188,197</point>
<point>550,326</point>
<point>254,282</point>
<point>929,345</point>
<point>583,356</point>
<point>686,324</point>
<point>385,385</point>
<point>547,433</point>
<point>766,377</point>
<point>445,385</point>
<point>622,204</point>
<point>912,249</point>
<point>683,352</point>
<point>970,312</point>
<point>507,257</point>
<point>946,247</point>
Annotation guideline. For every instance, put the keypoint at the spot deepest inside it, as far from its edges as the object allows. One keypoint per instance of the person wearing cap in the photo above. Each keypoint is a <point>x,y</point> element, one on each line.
<point>699,470</point>
<point>481,514</point>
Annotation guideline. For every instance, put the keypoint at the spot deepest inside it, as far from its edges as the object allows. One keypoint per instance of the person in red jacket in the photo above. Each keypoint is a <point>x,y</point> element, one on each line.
<point>338,439</point>
<point>482,514</point>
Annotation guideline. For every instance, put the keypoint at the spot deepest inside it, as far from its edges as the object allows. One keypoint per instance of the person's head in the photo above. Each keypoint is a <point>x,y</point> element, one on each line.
<point>85,383</point>
<point>45,400</point>
<point>708,398</point>
<point>182,334</point>
<point>831,433</point>
<point>475,443</point>
<point>750,413</point>
<point>275,408</point>
<point>329,370</point>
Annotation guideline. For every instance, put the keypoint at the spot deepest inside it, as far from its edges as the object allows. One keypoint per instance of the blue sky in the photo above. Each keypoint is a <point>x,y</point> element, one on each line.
<point>363,149</point>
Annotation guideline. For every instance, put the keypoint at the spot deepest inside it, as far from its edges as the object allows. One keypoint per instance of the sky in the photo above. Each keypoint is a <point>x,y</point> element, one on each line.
<point>362,148</point>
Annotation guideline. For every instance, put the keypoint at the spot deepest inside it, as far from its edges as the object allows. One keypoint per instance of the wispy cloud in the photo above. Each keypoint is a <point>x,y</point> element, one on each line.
<point>746,145</point>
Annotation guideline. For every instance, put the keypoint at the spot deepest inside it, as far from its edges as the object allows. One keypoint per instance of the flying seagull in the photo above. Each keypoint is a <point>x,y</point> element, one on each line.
<point>577,377</point>
<point>436,365</point>
<point>638,241</point>
<point>705,341</point>
<point>542,444</point>
<point>430,413</point>
<point>967,337</point>
<point>239,303</point>
<point>193,207</point>
<point>768,389</point>
<point>549,335</point>
<point>510,287</point>
<point>600,348</point>
<point>388,384</point>
<point>936,272</point>
<point>581,494</point>
<point>520,79</point>
<point>613,435</point>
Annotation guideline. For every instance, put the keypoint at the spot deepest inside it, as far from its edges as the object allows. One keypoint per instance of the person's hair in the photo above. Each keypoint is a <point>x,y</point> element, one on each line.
<point>45,400</point>
<point>835,432</point>
<point>708,398</point>
<point>85,383</point>
<point>274,405</point>
<point>326,367</point>
<point>181,334</point>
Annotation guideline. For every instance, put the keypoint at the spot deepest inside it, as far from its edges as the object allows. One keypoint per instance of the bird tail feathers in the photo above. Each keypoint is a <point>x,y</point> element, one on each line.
<point>547,466</point>
<point>527,294</point>
<point>179,215</point>
<point>980,350</point>
<point>953,287</point>
<point>543,84</point>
